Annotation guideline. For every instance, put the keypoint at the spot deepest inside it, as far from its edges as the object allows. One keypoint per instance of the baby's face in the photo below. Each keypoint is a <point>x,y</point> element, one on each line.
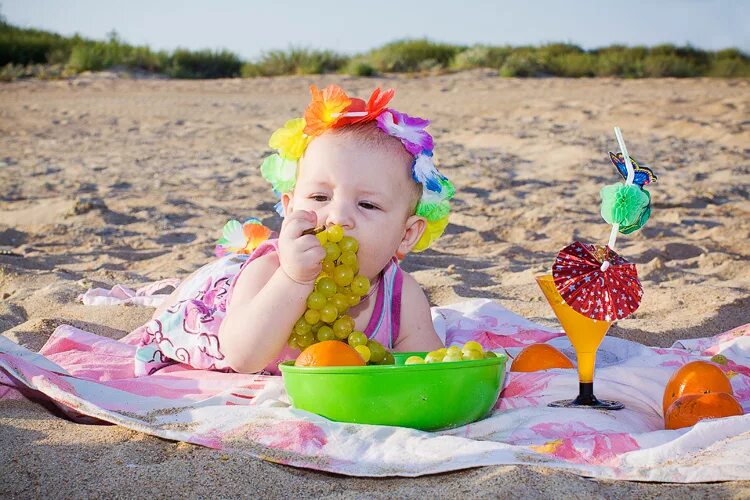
<point>366,190</point>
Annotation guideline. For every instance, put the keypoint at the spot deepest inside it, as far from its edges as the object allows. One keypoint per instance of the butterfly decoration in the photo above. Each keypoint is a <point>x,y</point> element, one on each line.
<point>643,177</point>
<point>643,174</point>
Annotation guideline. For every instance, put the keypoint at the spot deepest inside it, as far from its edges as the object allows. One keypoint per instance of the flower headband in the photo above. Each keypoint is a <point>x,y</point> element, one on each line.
<point>332,108</point>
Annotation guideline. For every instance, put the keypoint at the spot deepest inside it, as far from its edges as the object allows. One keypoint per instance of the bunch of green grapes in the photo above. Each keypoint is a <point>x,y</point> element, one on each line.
<point>337,288</point>
<point>469,351</point>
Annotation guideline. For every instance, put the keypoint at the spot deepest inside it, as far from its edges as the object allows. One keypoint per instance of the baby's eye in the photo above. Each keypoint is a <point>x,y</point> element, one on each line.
<point>367,205</point>
<point>319,197</point>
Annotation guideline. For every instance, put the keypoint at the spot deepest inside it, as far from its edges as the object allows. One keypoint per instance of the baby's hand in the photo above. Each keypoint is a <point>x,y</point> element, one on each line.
<point>300,256</point>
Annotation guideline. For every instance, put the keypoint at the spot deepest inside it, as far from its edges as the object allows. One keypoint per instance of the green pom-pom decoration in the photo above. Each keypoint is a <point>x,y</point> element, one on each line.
<point>449,191</point>
<point>623,204</point>
<point>280,172</point>
<point>641,220</point>
<point>433,211</point>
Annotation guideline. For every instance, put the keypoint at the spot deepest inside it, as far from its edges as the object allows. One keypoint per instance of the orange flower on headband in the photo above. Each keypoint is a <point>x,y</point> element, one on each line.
<point>325,109</point>
<point>374,106</point>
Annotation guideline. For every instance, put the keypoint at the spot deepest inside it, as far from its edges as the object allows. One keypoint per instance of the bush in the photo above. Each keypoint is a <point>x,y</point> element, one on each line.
<point>297,61</point>
<point>574,65</point>
<point>96,56</point>
<point>481,56</point>
<point>27,46</point>
<point>359,68</point>
<point>203,64</point>
<point>730,63</point>
<point>618,60</point>
<point>411,55</point>
<point>522,63</point>
<point>662,65</point>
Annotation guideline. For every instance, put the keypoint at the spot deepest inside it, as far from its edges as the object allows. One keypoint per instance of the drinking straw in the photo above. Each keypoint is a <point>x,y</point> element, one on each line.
<point>628,181</point>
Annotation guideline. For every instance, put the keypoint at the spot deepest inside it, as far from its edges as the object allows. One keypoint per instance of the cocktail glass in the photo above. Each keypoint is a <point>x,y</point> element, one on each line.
<point>585,334</point>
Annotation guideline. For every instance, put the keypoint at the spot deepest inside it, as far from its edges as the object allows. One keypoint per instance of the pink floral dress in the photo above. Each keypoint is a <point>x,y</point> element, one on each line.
<point>188,331</point>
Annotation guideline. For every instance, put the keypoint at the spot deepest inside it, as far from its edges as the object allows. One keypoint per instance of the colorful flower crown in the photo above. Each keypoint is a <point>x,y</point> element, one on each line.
<point>332,108</point>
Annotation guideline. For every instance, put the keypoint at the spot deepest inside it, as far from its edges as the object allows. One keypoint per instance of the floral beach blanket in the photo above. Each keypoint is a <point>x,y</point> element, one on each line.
<point>90,379</point>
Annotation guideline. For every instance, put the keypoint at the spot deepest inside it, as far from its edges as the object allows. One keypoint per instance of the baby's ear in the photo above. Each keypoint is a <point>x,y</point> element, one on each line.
<point>286,203</point>
<point>415,226</point>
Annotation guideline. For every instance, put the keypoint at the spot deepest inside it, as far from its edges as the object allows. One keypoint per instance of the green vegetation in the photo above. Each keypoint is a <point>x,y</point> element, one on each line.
<point>35,53</point>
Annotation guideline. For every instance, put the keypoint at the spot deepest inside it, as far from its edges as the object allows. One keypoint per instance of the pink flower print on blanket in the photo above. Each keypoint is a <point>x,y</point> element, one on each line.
<point>292,436</point>
<point>524,389</point>
<point>491,340</point>
<point>579,443</point>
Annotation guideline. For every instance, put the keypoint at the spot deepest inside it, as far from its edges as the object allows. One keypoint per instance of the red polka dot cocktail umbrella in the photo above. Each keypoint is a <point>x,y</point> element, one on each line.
<point>606,295</point>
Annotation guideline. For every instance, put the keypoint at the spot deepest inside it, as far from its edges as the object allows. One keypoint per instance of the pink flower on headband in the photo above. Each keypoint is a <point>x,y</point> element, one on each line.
<point>409,129</point>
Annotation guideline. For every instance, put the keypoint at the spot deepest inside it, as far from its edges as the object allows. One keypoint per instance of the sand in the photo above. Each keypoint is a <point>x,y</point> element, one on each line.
<point>108,180</point>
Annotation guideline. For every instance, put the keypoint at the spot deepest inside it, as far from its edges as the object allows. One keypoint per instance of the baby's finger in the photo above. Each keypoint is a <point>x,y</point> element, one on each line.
<point>294,227</point>
<point>307,242</point>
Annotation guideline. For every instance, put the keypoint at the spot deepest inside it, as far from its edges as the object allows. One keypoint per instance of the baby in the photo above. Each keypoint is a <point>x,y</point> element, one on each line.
<point>362,166</point>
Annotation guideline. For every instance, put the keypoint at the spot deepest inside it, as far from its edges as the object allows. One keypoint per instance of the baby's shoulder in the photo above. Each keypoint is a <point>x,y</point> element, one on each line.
<point>408,280</point>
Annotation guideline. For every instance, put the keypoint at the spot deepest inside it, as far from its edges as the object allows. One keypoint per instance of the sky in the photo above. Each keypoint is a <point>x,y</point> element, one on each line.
<point>251,27</point>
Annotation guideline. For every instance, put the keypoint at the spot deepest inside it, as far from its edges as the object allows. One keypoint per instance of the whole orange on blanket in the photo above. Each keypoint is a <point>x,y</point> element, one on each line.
<point>538,357</point>
<point>329,353</point>
<point>689,409</point>
<point>695,377</point>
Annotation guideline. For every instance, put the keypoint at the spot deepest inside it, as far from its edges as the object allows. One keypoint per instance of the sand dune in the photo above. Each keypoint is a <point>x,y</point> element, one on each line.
<point>106,181</point>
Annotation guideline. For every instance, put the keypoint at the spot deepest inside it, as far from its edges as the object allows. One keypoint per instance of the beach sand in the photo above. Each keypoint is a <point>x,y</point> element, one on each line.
<point>108,180</point>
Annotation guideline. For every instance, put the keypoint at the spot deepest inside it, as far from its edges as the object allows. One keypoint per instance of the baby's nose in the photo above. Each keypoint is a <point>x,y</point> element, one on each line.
<point>341,216</point>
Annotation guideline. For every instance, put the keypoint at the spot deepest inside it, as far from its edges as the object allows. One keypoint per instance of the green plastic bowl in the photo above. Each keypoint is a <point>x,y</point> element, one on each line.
<point>427,396</point>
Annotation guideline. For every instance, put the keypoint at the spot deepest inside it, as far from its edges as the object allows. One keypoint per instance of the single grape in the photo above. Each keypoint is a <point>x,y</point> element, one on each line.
<point>473,345</point>
<point>332,251</point>
<point>329,313</point>
<point>335,233</point>
<point>305,340</point>
<point>292,342</point>
<point>302,327</point>
<point>340,302</point>
<point>453,350</point>
<point>325,333</point>
<point>357,338</point>
<point>348,259</point>
<point>469,354</point>
<point>414,360</point>
<point>316,300</point>
<point>326,286</point>
<point>353,299</point>
<point>328,267</point>
<point>489,354</point>
<point>389,359</point>
<point>360,285</point>
<point>363,351</point>
<point>342,328</point>
<point>434,357</point>
<point>322,237</point>
<point>349,244</point>
<point>452,356</point>
<point>312,316</point>
<point>377,351</point>
<point>343,275</point>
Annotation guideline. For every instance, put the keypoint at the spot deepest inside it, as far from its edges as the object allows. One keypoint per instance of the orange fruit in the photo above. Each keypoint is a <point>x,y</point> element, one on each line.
<point>329,353</point>
<point>691,408</point>
<point>539,357</point>
<point>696,377</point>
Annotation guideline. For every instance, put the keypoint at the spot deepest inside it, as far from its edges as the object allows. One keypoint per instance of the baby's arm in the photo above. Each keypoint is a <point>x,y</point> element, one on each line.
<point>269,296</point>
<point>416,332</point>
